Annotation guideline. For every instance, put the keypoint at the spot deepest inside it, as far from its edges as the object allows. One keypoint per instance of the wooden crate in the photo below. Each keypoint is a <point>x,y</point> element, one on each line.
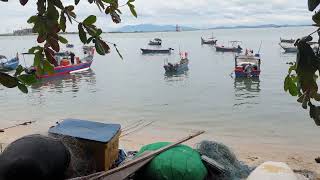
<point>99,140</point>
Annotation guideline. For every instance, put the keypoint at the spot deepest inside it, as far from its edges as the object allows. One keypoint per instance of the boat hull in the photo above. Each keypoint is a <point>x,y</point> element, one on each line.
<point>154,43</point>
<point>239,74</point>
<point>180,68</point>
<point>156,51</point>
<point>10,65</point>
<point>226,49</point>
<point>210,42</point>
<point>63,70</point>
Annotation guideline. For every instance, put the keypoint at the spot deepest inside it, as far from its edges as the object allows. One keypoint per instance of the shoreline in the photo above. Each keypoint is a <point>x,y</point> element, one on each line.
<point>251,153</point>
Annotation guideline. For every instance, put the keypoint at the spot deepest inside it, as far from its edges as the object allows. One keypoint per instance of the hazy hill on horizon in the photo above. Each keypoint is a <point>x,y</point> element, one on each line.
<point>164,28</point>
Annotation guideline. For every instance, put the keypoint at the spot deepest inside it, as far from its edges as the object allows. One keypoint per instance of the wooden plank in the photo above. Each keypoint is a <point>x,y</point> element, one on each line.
<point>141,160</point>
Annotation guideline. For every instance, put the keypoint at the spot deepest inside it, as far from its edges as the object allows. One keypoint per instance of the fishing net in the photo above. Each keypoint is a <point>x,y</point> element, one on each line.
<point>223,155</point>
<point>178,163</point>
<point>81,162</point>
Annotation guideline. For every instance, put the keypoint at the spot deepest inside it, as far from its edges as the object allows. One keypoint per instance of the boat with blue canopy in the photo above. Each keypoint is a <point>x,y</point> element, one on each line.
<point>8,65</point>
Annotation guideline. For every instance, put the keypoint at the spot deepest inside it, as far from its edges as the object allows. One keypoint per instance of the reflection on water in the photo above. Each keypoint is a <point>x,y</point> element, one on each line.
<point>176,76</point>
<point>247,91</point>
<point>67,83</point>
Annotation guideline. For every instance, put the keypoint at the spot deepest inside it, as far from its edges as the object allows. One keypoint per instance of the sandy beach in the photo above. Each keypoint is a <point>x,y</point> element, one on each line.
<point>252,153</point>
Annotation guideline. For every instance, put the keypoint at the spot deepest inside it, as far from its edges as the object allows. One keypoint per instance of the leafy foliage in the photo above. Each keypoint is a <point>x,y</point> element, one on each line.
<point>303,74</point>
<point>50,20</point>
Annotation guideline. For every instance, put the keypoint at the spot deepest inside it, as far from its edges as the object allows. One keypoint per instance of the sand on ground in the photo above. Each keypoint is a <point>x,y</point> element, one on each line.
<point>252,153</point>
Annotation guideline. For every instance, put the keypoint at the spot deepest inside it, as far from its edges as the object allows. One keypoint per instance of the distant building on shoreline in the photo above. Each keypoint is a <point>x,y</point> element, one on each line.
<point>178,28</point>
<point>23,32</point>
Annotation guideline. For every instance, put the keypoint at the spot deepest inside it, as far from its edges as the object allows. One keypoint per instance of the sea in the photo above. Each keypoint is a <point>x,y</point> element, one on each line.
<point>134,88</point>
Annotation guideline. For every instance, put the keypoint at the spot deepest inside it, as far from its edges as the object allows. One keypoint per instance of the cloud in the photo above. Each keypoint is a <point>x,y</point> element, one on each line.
<point>196,13</point>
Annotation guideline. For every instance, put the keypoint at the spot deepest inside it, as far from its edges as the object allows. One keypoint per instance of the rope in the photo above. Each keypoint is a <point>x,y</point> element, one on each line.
<point>22,124</point>
<point>137,129</point>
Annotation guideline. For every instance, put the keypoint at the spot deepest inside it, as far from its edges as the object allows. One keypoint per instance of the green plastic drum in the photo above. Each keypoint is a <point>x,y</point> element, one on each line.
<point>179,162</point>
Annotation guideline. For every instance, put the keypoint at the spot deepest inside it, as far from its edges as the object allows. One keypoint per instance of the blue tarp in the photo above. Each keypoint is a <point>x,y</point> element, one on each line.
<point>87,130</point>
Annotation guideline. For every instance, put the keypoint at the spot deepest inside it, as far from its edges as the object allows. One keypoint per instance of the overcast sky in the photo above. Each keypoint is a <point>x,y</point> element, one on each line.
<point>195,13</point>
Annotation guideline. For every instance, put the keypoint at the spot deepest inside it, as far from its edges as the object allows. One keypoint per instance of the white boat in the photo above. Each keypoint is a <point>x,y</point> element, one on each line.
<point>182,65</point>
<point>155,42</point>
<point>288,48</point>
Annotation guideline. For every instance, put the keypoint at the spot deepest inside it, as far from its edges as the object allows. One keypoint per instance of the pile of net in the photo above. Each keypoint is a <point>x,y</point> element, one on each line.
<point>178,163</point>
<point>224,156</point>
<point>81,162</point>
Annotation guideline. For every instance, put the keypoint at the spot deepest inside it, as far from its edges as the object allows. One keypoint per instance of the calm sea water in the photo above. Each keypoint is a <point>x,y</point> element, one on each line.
<point>205,97</point>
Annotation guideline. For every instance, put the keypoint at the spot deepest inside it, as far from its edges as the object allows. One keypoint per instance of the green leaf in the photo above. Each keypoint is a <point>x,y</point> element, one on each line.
<point>23,88</point>
<point>19,70</point>
<point>312,4</point>
<point>292,68</point>
<point>58,3</point>
<point>99,47</point>
<point>63,40</point>
<point>291,86</point>
<point>47,67</point>
<point>99,32</point>
<point>37,59</point>
<point>316,17</point>
<point>109,1</point>
<point>92,30</point>
<point>82,34</point>
<point>90,20</point>
<point>27,79</point>
<point>32,19</point>
<point>132,9</point>
<point>33,49</point>
<point>90,39</point>
<point>287,83</point>
<point>41,6</point>
<point>8,81</point>
<point>63,21</point>
<point>130,1</point>
<point>54,44</point>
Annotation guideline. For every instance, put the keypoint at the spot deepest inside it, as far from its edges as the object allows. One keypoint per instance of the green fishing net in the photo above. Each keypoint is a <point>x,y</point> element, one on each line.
<point>179,162</point>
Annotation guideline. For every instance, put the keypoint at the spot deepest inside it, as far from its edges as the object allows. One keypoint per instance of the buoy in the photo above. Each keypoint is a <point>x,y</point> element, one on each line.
<point>273,171</point>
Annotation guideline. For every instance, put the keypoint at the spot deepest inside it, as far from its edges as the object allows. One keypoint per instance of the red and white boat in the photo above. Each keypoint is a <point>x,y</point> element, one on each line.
<point>68,66</point>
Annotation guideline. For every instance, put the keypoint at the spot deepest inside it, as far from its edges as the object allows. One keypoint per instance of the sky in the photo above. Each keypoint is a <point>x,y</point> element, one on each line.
<point>194,13</point>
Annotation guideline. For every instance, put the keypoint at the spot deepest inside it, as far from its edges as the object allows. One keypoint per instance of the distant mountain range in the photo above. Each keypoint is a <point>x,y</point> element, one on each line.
<point>166,28</point>
<point>152,28</point>
<point>257,26</point>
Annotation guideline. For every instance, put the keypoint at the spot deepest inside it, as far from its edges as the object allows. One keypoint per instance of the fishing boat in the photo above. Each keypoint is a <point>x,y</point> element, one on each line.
<point>291,48</point>
<point>69,45</point>
<point>156,51</point>
<point>210,41</point>
<point>66,64</point>
<point>155,42</point>
<point>288,49</point>
<point>235,47</point>
<point>8,65</point>
<point>247,65</point>
<point>178,67</point>
<point>290,41</point>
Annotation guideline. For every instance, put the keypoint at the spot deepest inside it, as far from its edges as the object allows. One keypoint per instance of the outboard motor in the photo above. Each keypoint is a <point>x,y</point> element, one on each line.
<point>34,157</point>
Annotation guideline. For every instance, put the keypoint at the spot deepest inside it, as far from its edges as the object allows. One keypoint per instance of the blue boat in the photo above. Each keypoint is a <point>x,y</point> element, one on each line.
<point>69,45</point>
<point>8,65</point>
